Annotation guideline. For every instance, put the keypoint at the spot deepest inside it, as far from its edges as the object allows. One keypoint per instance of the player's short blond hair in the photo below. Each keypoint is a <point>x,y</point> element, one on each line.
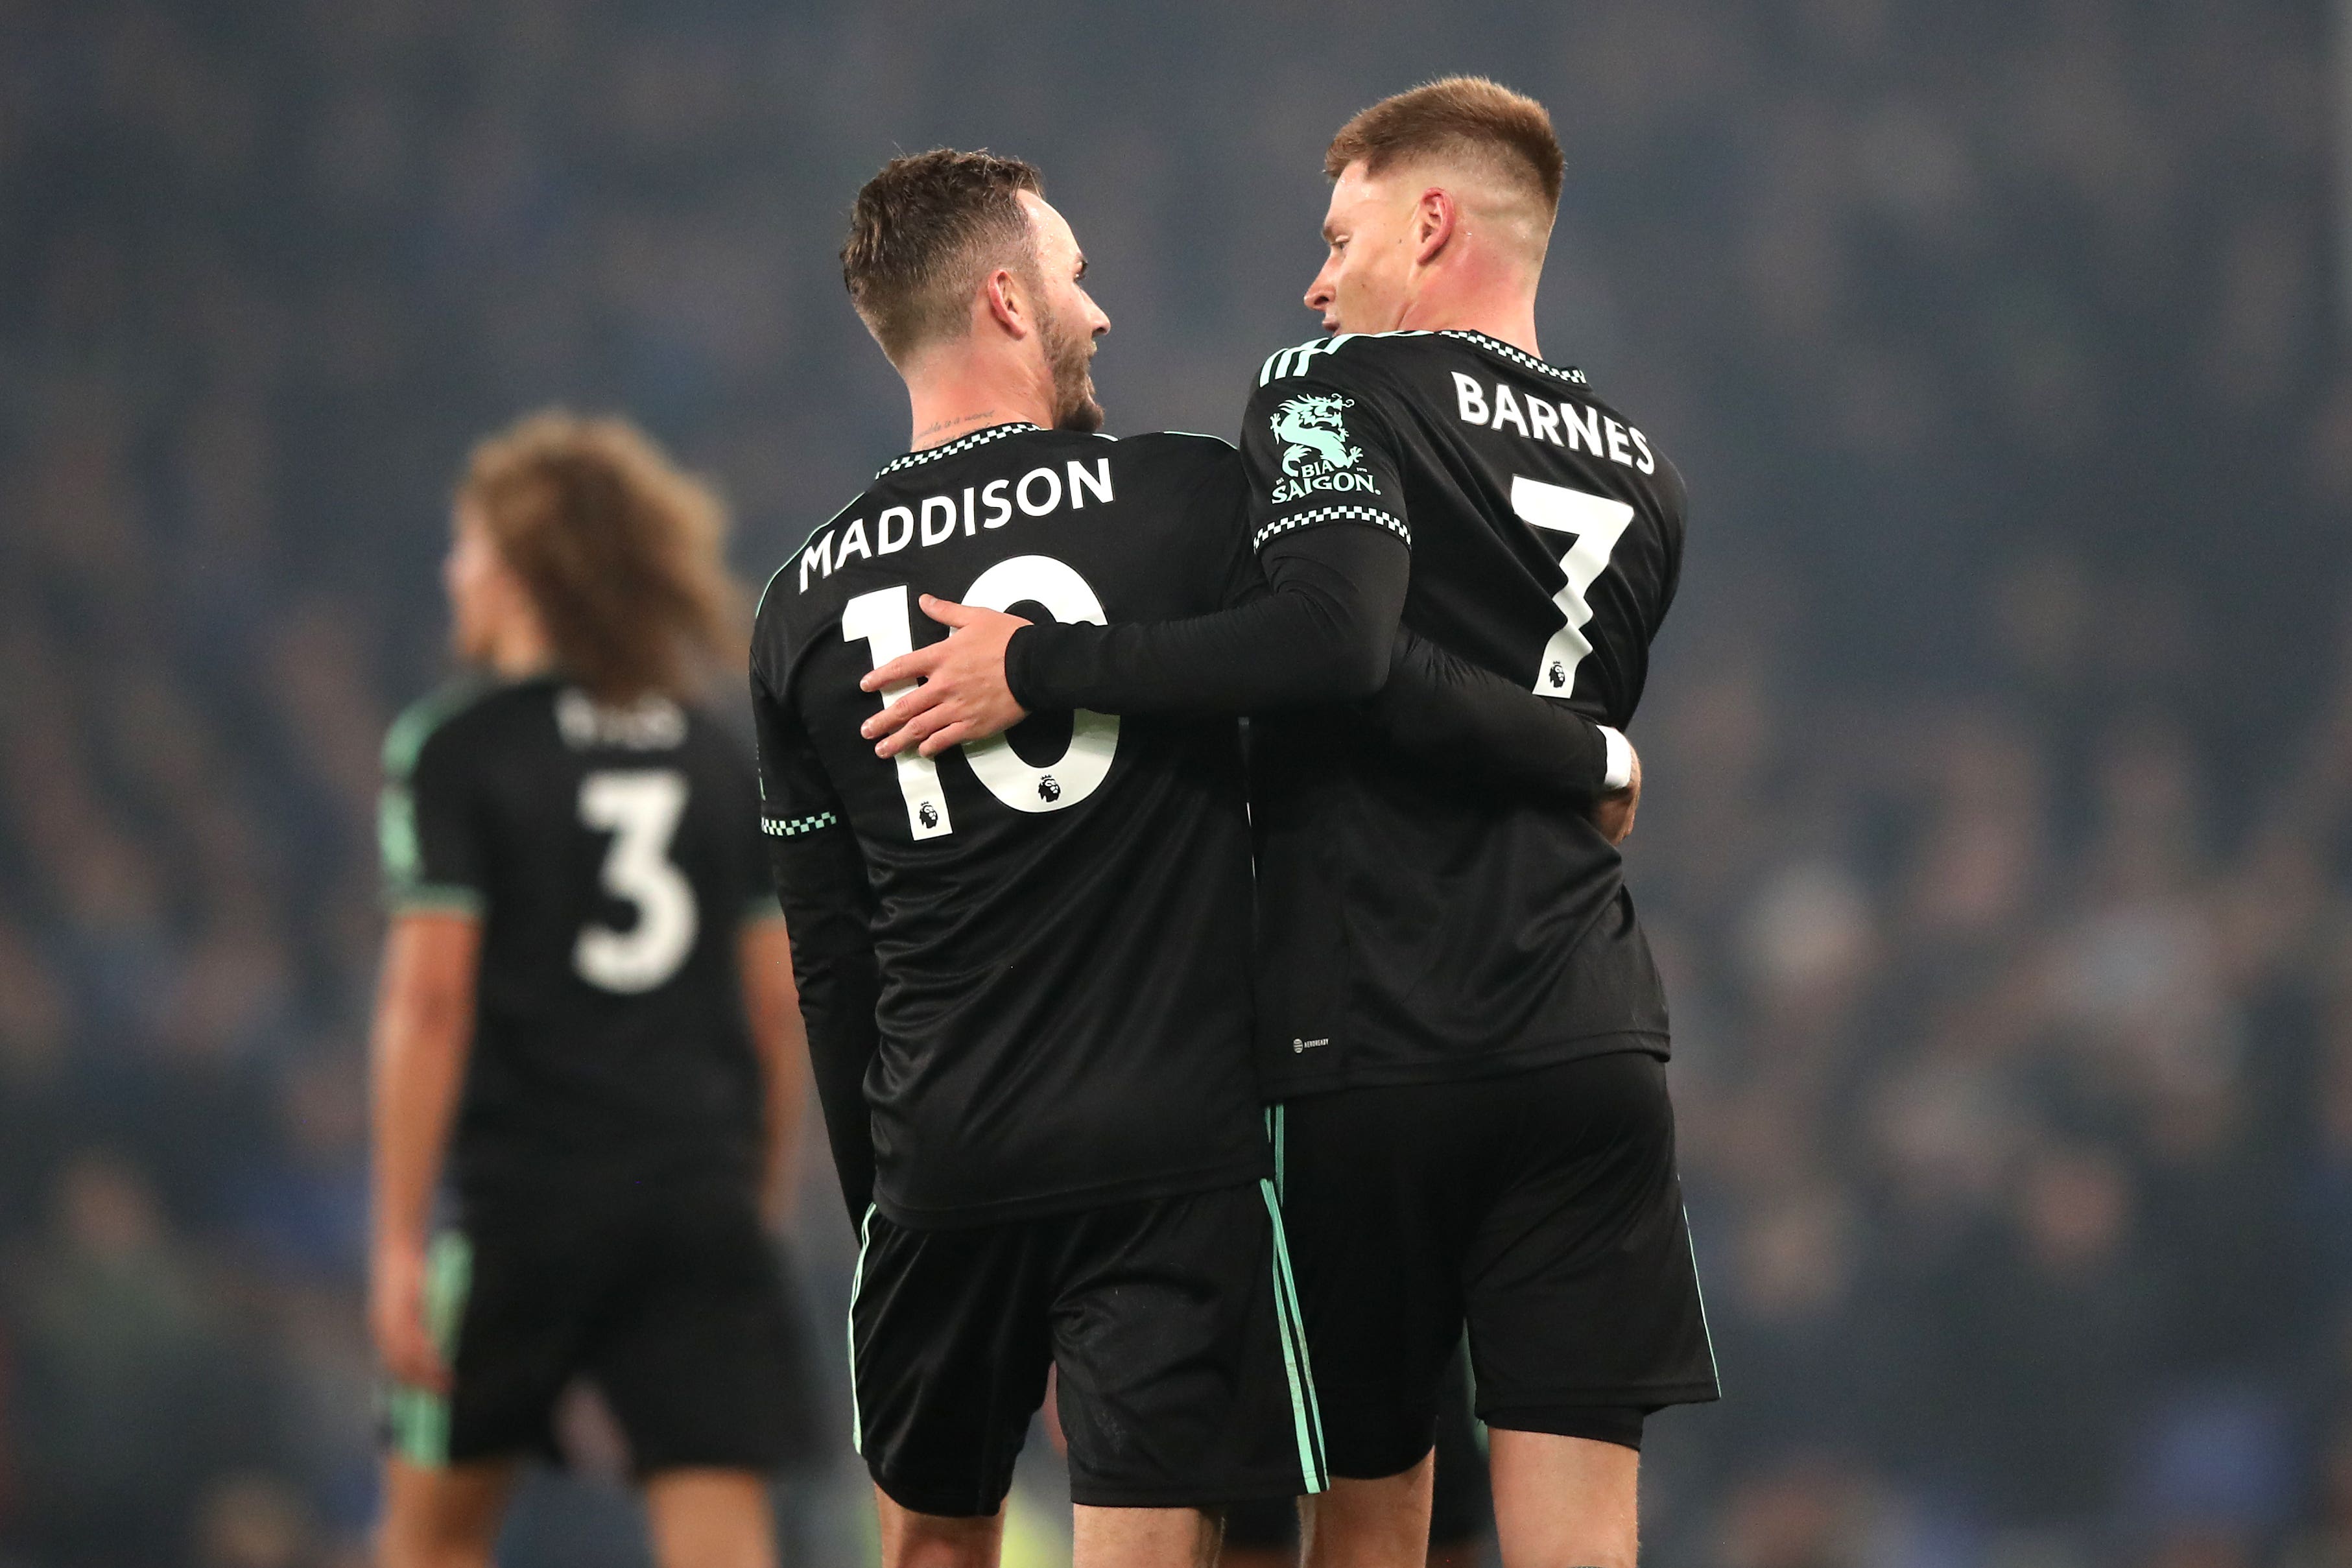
<point>623,554</point>
<point>1461,117</point>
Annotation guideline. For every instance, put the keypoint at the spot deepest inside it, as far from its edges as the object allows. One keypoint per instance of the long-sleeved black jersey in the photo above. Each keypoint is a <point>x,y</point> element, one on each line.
<point>1414,925</point>
<point>1025,964</point>
<point>1430,904</point>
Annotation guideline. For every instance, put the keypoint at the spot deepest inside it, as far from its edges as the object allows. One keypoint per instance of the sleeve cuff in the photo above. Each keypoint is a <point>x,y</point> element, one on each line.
<point>1617,771</point>
<point>436,898</point>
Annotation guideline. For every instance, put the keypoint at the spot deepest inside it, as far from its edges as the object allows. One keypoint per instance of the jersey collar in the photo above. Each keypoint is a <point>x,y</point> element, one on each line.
<point>960,444</point>
<point>1517,356</point>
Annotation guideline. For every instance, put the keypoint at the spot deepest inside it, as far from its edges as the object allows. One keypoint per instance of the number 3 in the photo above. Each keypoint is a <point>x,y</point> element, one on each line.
<point>1598,523</point>
<point>640,809</point>
<point>880,620</point>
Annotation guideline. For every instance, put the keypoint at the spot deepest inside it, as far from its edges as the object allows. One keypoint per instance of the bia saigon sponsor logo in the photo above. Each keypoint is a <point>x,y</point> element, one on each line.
<point>1316,456</point>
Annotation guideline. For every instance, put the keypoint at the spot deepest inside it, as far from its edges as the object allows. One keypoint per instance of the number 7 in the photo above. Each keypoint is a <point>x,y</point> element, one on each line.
<point>1598,523</point>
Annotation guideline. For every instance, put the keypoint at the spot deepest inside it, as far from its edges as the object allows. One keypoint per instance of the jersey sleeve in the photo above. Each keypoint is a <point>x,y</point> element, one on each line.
<point>828,905</point>
<point>1317,448</point>
<point>1307,621</point>
<point>1454,716</point>
<point>432,829</point>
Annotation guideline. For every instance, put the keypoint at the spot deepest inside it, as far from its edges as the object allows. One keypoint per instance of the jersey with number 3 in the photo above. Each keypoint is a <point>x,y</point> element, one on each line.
<point>1062,925</point>
<point>1415,926</point>
<point>610,856</point>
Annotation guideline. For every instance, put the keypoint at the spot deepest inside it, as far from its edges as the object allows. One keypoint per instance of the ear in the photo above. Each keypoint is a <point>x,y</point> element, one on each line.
<point>1435,218</point>
<point>1008,306</point>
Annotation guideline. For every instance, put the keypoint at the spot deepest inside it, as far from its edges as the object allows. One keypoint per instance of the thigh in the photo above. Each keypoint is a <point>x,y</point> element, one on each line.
<point>1459,1507</point>
<point>1185,1382</point>
<point>436,1515</point>
<point>950,1343</point>
<point>700,1351</point>
<point>1579,1283</point>
<point>1376,1205</point>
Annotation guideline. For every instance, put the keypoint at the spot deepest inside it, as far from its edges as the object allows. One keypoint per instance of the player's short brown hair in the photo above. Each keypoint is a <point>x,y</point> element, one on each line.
<point>922,234</point>
<point>1461,114</point>
<point>623,553</point>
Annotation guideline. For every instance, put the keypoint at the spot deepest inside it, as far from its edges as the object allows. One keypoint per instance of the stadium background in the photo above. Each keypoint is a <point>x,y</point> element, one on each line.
<point>1998,752</point>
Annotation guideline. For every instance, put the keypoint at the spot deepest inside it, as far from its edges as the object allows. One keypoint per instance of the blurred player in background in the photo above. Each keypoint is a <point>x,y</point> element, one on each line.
<point>587,1017</point>
<point>1458,1011</point>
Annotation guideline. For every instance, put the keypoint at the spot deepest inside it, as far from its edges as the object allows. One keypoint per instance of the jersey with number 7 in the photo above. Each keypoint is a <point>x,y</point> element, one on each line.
<point>1416,924</point>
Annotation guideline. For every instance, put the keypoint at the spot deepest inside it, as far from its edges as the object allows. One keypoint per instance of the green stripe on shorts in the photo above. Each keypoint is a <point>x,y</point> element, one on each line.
<point>420,1417</point>
<point>1306,1416</point>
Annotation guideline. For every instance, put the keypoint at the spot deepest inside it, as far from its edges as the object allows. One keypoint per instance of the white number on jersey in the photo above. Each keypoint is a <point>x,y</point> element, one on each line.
<point>640,809</point>
<point>880,619</point>
<point>1598,523</point>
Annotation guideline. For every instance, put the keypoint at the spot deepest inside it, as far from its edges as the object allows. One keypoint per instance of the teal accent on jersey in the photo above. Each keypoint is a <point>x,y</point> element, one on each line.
<point>1274,1130</point>
<point>856,1278</point>
<point>417,721</point>
<point>420,1417</point>
<point>395,817</point>
<point>1305,1413</point>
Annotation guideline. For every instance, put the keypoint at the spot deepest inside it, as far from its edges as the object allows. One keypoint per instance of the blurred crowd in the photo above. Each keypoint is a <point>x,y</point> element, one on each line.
<point>1998,753</point>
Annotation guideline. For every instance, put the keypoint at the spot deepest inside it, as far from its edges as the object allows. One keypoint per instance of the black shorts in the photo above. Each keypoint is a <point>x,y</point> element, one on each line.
<point>1184,1380</point>
<point>1460,1509</point>
<point>670,1298</point>
<point>1541,1208</point>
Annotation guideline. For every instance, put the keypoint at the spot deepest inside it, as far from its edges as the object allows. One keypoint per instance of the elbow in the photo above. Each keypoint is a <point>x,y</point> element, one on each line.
<point>1360,670</point>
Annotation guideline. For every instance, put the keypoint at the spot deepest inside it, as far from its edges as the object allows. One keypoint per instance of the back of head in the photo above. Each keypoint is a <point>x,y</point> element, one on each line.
<point>1468,125</point>
<point>922,234</point>
<point>622,553</point>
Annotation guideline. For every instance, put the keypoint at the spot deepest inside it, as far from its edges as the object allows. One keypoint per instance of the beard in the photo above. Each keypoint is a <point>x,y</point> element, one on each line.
<point>1069,356</point>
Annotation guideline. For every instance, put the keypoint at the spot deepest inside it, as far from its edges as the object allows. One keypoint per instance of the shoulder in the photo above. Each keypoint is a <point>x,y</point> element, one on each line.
<point>1184,451</point>
<point>1367,359</point>
<point>461,709</point>
<point>817,538</point>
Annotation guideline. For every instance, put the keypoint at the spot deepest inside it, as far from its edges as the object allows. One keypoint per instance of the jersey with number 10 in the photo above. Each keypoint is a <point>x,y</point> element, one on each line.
<point>1416,926</point>
<point>1062,912</point>
<point>610,856</point>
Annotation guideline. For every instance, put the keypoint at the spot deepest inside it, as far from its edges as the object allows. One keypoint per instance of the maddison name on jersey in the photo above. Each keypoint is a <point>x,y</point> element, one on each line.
<point>936,518</point>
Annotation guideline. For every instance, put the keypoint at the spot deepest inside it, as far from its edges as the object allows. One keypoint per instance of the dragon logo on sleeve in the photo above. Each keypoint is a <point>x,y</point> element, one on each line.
<point>1317,455</point>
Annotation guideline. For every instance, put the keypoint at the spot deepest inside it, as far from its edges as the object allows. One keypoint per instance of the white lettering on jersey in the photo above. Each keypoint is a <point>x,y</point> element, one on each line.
<point>932,519</point>
<point>1585,429</point>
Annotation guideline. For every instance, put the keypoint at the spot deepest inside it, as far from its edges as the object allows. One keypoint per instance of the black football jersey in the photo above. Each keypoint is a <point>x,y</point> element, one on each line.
<point>1412,926</point>
<point>612,855</point>
<point>1061,914</point>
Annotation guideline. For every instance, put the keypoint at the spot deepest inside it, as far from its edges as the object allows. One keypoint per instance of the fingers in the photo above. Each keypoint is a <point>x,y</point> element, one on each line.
<point>906,667</point>
<point>954,734</point>
<point>906,706</point>
<point>935,715</point>
<point>409,1354</point>
<point>947,613</point>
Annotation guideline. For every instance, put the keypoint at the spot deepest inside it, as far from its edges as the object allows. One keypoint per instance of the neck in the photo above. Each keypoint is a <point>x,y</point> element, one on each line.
<point>1474,300</point>
<point>520,648</point>
<point>956,390</point>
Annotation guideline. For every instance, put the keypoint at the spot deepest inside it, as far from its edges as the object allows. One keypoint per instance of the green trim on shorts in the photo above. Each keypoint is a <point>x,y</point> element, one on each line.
<point>420,1417</point>
<point>1698,1287</point>
<point>856,1278</point>
<point>1305,1413</point>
